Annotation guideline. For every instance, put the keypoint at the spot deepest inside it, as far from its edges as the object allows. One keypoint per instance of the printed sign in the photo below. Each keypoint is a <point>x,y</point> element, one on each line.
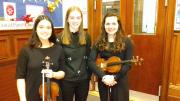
<point>9,10</point>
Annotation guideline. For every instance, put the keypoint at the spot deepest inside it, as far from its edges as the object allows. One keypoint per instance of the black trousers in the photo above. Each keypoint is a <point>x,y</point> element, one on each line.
<point>119,92</point>
<point>78,88</point>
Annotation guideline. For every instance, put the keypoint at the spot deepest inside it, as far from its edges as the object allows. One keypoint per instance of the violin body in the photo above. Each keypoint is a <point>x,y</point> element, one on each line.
<point>54,90</point>
<point>112,65</point>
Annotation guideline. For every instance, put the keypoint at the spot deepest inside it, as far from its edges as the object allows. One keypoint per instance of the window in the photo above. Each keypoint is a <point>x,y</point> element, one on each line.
<point>145,12</point>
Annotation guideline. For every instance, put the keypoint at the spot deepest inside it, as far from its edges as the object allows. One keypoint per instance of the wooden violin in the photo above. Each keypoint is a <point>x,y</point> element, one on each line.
<point>48,90</point>
<point>113,64</point>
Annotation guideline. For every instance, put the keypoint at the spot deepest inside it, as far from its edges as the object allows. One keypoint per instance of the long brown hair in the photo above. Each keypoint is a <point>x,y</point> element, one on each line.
<point>102,42</point>
<point>66,35</point>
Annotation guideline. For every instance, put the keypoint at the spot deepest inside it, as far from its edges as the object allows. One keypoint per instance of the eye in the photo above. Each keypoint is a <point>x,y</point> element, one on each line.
<point>48,27</point>
<point>44,27</point>
<point>40,27</point>
<point>78,17</point>
<point>107,23</point>
<point>71,17</point>
<point>114,23</point>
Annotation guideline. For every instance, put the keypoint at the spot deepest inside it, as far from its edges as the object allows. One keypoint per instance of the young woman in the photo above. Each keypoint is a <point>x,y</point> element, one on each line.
<point>76,45</point>
<point>112,42</point>
<point>29,63</point>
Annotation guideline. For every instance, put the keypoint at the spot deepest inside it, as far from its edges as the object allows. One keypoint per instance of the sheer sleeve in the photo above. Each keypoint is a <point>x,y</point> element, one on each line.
<point>92,63</point>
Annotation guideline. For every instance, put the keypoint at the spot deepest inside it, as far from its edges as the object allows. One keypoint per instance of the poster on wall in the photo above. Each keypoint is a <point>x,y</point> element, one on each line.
<point>20,14</point>
<point>34,10</point>
<point>82,4</point>
<point>9,10</point>
<point>177,16</point>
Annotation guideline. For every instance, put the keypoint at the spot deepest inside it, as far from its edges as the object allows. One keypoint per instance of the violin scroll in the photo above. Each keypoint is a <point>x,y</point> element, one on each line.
<point>137,60</point>
<point>47,62</point>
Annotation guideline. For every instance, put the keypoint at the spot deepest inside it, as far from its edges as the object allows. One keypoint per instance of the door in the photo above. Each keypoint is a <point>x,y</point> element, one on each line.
<point>147,29</point>
<point>147,35</point>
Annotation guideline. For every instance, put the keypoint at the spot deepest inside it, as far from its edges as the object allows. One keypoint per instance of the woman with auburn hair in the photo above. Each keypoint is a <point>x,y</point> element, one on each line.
<point>112,43</point>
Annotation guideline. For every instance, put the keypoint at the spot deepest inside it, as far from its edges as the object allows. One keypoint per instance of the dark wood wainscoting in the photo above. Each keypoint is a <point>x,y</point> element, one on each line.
<point>8,83</point>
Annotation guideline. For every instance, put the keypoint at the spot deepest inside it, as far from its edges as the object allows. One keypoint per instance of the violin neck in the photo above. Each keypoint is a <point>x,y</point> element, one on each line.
<point>48,89</point>
<point>118,63</point>
<point>126,61</point>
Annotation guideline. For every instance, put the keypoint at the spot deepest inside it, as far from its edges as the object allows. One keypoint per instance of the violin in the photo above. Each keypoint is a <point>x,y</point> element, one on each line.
<point>48,90</point>
<point>113,64</point>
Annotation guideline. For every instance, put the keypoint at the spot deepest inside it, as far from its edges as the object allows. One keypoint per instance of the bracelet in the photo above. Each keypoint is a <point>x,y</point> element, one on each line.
<point>103,78</point>
<point>115,77</point>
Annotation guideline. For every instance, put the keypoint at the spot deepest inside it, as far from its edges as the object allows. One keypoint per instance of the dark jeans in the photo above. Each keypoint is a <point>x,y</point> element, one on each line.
<point>78,88</point>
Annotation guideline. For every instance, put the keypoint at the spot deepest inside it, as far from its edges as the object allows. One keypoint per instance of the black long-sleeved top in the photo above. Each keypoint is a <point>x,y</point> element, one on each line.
<point>29,66</point>
<point>124,55</point>
<point>76,56</point>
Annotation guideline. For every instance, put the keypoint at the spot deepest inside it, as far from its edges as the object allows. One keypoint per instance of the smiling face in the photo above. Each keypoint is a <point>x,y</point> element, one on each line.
<point>111,25</point>
<point>74,20</point>
<point>44,30</point>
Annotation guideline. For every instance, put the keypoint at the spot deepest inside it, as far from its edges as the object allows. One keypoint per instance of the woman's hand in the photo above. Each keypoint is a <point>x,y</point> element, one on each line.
<point>109,80</point>
<point>48,73</point>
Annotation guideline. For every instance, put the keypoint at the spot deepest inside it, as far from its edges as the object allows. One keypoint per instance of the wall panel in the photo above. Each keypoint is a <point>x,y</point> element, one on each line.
<point>19,42</point>
<point>174,86</point>
<point>5,47</point>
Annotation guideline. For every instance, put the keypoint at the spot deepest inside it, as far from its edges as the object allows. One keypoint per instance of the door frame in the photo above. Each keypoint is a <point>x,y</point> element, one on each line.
<point>168,38</point>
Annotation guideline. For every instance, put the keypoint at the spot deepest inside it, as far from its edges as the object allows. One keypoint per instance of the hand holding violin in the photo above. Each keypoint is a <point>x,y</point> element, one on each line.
<point>109,80</point>
<point>49,90</point>
<point>48,73</point>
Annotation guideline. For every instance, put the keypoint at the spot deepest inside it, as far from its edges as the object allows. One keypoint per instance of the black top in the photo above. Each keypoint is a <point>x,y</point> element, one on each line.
<point>29,66</point>
<point>124,55</point>
<point>76,58</point>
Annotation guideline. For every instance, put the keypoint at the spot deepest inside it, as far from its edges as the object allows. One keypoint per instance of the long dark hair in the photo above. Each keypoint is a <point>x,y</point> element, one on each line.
<point>34,41</point>
<point>102,42</point>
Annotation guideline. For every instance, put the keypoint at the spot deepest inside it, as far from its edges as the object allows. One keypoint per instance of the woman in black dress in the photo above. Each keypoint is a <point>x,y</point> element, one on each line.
<point>112,42</point>
<point>29,63</point>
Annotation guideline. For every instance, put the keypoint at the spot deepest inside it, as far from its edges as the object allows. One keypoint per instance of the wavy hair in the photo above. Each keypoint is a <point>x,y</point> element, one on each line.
<point>102,42</point>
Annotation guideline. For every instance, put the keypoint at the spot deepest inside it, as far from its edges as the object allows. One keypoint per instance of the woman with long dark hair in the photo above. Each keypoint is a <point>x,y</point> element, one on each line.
<point>29,64</point>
